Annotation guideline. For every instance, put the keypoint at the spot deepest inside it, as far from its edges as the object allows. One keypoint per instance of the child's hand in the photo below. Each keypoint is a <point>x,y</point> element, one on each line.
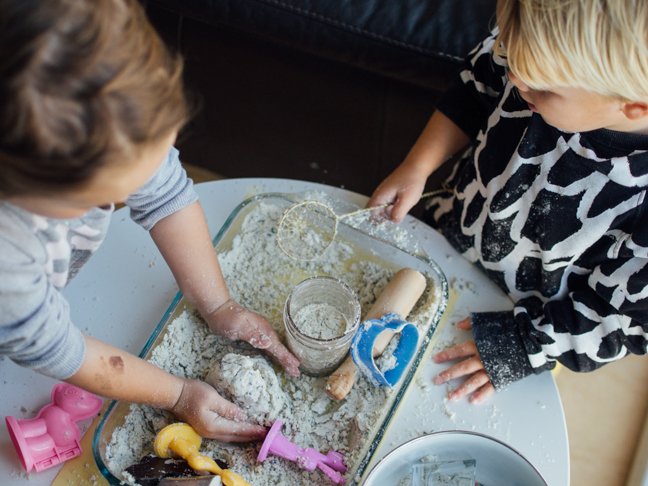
<point>479,384</point>
<point>212,416</point>
<point>233,321</point>
<point>403,188</point>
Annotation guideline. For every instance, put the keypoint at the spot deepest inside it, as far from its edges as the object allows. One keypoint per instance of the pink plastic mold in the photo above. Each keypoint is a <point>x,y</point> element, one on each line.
<point>332,463</point>
<point>53,436</point>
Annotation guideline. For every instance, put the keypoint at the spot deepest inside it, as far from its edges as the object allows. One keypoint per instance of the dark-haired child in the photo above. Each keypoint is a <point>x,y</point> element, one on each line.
<point>90,105</point>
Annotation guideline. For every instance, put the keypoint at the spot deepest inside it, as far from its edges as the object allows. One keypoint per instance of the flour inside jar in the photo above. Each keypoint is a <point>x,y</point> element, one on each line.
<point>321,321</point>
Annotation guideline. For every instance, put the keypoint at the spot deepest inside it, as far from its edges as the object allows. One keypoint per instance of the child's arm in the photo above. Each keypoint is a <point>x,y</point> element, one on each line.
<point>440,139</point>
<point>111,372</point>
<point>582,331</point>
<point>461,112</point>
<point>184,241</point>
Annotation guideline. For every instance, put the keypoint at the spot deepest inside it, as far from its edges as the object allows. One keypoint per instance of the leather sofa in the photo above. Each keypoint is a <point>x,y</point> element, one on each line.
<point>321,90</point>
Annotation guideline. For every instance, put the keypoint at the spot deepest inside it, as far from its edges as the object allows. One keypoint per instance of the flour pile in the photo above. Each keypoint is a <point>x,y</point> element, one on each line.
<point>260,276</point>
<point>251,383</point>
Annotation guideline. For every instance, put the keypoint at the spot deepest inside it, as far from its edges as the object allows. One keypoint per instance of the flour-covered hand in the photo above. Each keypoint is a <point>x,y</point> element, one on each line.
<point>212,416</point>
<point>233,321</point>
<point>478,382</point>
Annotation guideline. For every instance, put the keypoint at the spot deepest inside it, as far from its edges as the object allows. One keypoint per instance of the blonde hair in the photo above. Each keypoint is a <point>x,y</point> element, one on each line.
<point>83,83</point>
<point>598,45</point>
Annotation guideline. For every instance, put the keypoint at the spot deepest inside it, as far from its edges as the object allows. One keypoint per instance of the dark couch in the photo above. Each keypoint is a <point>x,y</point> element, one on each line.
<point>327,91</point>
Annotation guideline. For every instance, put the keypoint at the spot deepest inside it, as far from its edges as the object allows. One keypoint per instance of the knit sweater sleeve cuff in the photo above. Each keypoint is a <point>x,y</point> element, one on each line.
<point>500,347</point>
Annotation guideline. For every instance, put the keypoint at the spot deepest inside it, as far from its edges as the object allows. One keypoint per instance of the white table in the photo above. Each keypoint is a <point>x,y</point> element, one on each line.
<point>125,288</point>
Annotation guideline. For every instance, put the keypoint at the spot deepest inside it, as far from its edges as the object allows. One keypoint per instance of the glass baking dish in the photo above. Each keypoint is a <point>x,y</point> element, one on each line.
<point>390,245</point>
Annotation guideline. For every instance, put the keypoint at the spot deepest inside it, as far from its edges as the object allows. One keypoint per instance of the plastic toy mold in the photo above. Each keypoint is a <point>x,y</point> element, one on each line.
<point>332,463</point>
<point>53,436</point>
<point>363,344</point>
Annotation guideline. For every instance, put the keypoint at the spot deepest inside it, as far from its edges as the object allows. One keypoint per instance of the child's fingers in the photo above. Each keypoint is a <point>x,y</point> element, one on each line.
<point>401,207</point>
<point>380,214</point>
<point>257,331</point>
<point>464,325</point>
<point>466,367</point>
<point>381,197</point>
<point>226,409</point>
<point>285,358</point>
<point>235,438</point>
<point>472,384</point>
<point>459,351</point>
<point>267,339</point>
<point>228,431</point>
<point>250,327</point>
<point>236,322</point>
<point>483,393</point>
<point>259,338</point>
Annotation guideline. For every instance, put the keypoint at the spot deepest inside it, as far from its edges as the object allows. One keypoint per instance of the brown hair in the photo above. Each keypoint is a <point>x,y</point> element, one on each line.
<point>83,83</point>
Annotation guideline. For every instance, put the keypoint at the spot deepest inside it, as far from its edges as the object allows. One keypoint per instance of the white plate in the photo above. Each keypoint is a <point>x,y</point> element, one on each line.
<point>497,463</point>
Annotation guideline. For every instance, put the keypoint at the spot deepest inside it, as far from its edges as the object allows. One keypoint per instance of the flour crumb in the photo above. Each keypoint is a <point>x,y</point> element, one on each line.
<point>448,413</point>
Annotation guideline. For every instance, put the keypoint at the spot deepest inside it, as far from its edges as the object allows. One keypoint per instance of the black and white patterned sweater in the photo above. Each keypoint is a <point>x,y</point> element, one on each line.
<point>558,220</point>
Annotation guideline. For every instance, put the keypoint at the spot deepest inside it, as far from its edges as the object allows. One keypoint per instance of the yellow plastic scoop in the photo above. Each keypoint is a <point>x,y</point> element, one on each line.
<point>184,441</point>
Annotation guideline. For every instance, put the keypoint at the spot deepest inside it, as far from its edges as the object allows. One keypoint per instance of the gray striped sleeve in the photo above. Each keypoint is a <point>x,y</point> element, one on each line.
<point>166,192</point>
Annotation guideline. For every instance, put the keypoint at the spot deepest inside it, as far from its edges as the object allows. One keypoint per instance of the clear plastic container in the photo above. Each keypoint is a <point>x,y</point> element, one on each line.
<point>320,357</point>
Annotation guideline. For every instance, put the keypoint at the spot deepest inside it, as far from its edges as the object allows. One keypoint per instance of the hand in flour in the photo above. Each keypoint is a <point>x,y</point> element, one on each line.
<point>233,321</point>
<point>212,416</point>
<point>478,384</point>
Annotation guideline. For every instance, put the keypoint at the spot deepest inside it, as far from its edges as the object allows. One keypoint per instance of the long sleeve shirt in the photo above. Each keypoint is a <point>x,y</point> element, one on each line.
<point>558,220</point>
<point>39,256</point>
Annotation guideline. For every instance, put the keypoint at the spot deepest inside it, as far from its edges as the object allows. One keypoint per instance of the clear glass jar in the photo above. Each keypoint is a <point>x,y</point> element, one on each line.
<point>320,357</point>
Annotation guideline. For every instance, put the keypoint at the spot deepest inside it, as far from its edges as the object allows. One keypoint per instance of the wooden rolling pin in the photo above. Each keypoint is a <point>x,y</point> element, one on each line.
<point>400,295</point>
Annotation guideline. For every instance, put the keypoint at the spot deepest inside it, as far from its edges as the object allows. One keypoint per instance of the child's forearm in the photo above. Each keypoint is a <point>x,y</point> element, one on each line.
<point>113,373</point>
<point>184,241</point>
<point>440,139</point>
<point>183,238</point>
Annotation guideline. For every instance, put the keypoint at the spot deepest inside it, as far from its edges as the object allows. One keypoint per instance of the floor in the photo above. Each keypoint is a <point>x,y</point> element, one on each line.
<point>604,410</point>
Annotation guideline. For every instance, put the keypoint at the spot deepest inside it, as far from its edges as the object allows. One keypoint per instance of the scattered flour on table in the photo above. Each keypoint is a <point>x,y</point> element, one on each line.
<point>260,276</point>
<point>251,383</point>
<point>321,321</point>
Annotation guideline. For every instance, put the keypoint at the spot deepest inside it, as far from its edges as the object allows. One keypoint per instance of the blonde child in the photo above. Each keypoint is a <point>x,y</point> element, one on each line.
<point>550,199</point>
<point>90,105</point>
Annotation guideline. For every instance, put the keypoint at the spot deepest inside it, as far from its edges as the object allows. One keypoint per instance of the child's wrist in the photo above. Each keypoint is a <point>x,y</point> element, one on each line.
<point>212,306</point>
<point>218,308</point>
<point>417,168</point>
<point>177,398</point>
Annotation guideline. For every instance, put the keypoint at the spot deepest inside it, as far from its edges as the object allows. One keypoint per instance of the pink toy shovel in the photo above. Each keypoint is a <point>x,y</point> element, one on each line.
<point>332,463</point>
<point>53,436</point>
